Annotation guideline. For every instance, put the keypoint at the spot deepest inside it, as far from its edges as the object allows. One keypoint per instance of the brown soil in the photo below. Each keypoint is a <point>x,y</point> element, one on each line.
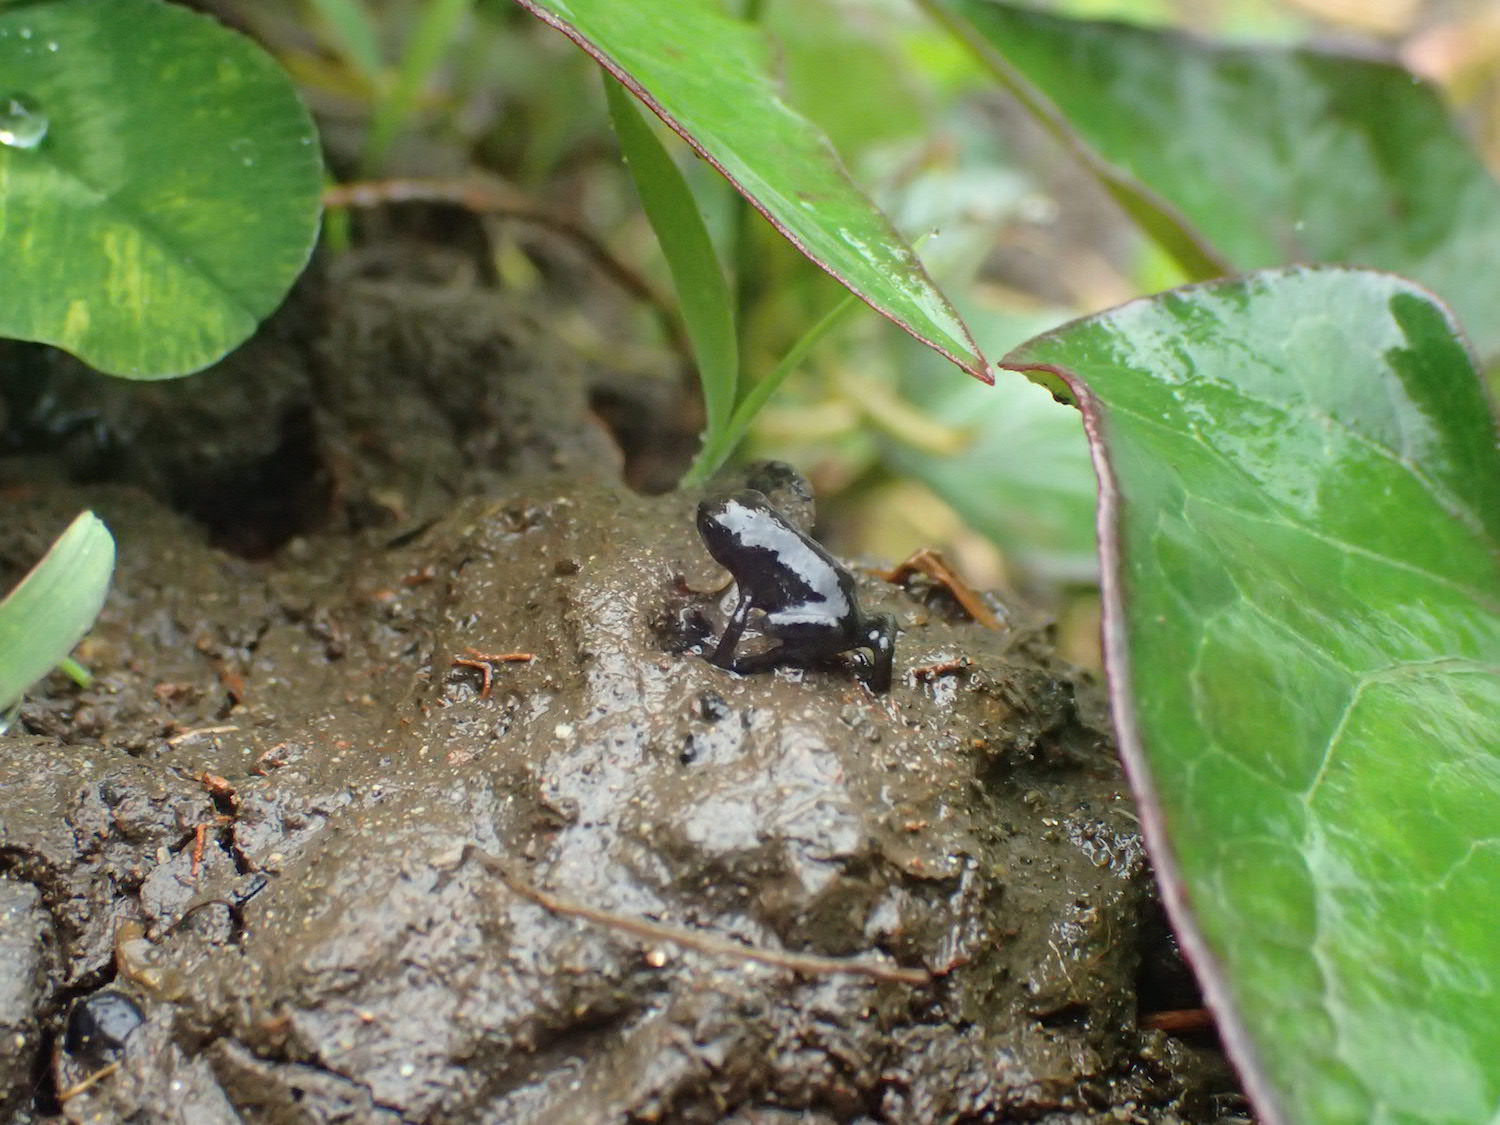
<point>345,883</point>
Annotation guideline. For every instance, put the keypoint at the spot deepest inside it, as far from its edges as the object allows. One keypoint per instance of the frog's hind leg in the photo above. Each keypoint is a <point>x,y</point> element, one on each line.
<point>764,660</point>
<point>724,651</point>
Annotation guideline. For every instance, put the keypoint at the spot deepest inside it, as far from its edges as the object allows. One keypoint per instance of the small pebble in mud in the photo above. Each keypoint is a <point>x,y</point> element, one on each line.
<point>99,1025</point>
<point>807,598</point>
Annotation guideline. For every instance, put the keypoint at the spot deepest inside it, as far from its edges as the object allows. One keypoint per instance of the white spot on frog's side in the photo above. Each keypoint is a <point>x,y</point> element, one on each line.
<point>22,123</point>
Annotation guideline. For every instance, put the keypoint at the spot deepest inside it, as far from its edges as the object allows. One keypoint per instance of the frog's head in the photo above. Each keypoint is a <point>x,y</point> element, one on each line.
<point>727,524</point>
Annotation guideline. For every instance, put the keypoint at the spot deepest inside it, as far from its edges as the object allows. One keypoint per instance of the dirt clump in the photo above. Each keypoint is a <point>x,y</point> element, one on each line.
<point>431,810</point>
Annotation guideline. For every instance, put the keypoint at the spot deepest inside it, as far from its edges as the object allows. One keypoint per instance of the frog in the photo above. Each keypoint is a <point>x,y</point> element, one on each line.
<point>807,598</point>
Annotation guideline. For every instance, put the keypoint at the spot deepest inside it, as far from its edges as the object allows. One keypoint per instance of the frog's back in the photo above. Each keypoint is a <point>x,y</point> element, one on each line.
<point>776,564</point>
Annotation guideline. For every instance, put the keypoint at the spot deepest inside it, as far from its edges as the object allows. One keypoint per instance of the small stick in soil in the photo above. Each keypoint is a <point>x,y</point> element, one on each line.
<point>189,735</point>
<point>200,835</point>
<point>804,964</point>
<point>941,668</point>
<point>485,662</point>
<point>94,1079</point>
<point>929,562</point>
<point>1179,1020</point>
<point>495,198</point>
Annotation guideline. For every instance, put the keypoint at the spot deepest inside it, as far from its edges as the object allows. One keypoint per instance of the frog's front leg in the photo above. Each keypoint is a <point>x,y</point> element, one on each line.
<point>724,652</point>
<point>880,636</point>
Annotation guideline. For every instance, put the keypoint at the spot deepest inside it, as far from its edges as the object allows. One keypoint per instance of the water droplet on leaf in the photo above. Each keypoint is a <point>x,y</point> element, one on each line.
<point>22,124</point>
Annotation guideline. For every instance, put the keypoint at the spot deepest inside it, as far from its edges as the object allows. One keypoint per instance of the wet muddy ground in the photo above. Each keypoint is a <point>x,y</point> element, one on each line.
<point>404,792</point>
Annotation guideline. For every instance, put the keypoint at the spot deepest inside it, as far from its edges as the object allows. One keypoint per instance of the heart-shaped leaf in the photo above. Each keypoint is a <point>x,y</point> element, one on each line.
<point>163,193</point>
<point>1299,525</point>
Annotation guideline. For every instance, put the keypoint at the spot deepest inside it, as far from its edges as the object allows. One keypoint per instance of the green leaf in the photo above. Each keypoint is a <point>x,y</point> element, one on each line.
<point>51,609</point>
<point>1024,481</point>
<point>851,76</point>
<point>436,27</point>
<point>705,74</point>
<point>702,292</point>
<point>718,448</point>
<point>173,197</point>
<point>1260,156</point>
<point>1299,520</point>
<point>354,32</point>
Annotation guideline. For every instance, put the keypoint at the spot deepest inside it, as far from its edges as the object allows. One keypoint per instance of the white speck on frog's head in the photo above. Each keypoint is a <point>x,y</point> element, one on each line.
<point>22,123</point>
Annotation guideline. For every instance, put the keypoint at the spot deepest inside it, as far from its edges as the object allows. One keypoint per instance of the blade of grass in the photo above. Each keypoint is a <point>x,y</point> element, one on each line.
<point>51,609</point>
<point>435,29</point>
<point>703,293</point>
<point>75,671</point>
<point>717,448</point>
<point>353,32</point>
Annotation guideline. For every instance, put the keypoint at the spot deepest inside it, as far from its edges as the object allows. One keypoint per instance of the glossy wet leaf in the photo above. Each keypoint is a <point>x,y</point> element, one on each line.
<point>1264,155</point>
<point>50,610</point>
<point>174,197</point>
<point>1300,515</point>
<point>707,76</point>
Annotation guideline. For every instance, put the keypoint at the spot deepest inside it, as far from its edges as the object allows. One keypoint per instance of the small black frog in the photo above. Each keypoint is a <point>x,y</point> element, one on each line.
<point>808,599</point>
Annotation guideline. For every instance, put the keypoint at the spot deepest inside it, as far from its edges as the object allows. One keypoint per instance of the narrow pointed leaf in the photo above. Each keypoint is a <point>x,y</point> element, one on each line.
<point>50,610</point>
<point>702,293</point>
<point>706,75</point>
<point>167,194</point>
<point>1299,523</point>
<point>1266,155</point>
<point>437,24</point>
<point>354,32</point>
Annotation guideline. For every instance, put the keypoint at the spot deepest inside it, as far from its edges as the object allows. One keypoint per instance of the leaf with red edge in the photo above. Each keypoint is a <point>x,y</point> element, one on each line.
<point>706,75</point>
<point>1259,156</point>
<point>1300,525</point>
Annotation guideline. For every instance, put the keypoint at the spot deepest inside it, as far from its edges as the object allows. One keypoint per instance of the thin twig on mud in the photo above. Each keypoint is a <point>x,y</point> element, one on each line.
<point>485,662</point>
<point>485,197</point>
<point>806,964</point>
<point>65,1096</point>
<point>188,735</point>
<point>931,563</point>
